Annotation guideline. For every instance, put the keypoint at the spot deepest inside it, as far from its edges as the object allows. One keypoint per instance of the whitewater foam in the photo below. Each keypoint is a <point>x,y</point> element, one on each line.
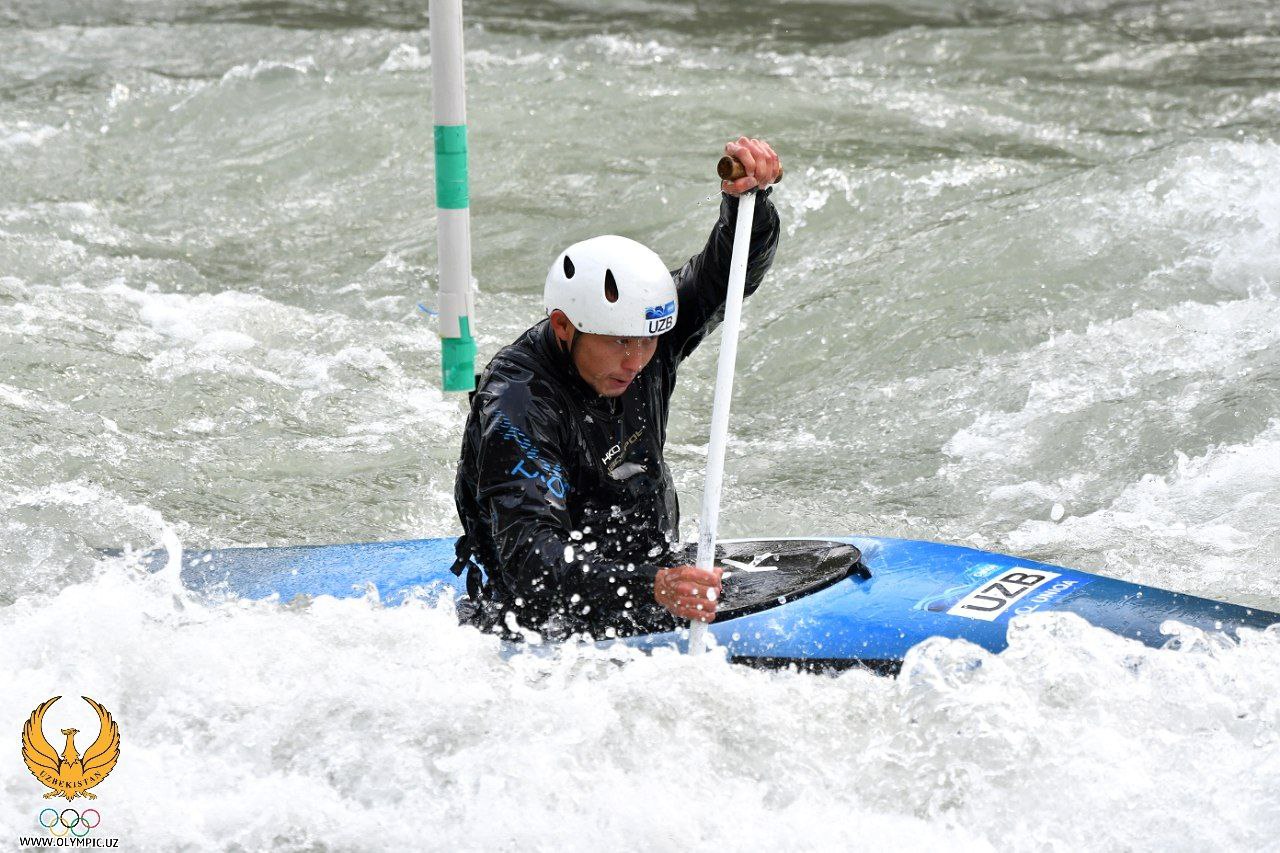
<point>217,711</point>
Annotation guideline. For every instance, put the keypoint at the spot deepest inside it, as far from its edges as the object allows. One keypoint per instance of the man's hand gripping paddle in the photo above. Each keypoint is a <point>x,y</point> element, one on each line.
<point>729,169</point>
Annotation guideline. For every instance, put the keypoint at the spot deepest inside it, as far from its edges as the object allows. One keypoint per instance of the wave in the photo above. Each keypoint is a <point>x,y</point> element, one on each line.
<point>792,20</point>
<point>1206,525</point>
<point>578,748</point>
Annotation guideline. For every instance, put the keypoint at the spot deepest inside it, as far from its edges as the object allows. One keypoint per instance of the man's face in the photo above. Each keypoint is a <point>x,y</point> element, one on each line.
<point>610,364</point>
<point>606,363</point>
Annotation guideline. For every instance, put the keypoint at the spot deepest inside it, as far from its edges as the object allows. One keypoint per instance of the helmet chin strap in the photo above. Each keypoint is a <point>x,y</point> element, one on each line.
<point>567,347</point>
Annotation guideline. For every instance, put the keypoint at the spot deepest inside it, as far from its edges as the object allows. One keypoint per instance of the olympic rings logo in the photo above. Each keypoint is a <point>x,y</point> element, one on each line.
<point>69,822</point>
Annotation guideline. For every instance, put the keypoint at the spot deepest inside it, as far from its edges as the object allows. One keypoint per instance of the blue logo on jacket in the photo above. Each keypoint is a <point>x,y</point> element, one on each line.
<point>657,312</point>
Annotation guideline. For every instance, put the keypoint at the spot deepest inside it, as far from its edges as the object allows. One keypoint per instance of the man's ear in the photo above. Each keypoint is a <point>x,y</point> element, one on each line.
<point>563,328</point>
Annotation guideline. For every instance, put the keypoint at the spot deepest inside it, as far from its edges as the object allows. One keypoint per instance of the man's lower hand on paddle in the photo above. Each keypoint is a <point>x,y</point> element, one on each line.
<point>689,592</point>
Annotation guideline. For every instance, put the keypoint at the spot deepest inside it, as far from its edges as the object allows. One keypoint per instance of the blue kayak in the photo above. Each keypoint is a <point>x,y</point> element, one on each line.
<point>830,602</point>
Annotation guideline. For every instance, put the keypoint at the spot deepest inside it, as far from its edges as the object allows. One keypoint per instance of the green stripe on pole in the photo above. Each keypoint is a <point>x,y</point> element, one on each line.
<point>458,359</point>
<point>451,167</point>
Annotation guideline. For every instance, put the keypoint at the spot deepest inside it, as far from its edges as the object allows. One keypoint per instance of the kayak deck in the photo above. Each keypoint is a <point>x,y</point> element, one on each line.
<point>818,602</point>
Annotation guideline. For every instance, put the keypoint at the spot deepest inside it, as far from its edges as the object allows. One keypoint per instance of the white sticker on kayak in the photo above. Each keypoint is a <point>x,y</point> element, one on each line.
<point>999,593</point>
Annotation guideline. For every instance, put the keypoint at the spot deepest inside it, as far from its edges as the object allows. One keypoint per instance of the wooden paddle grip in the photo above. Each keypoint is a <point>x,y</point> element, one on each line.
<point>731,169</point>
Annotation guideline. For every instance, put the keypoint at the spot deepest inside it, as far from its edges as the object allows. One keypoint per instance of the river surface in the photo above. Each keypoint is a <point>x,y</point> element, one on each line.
<point>1027,298</point>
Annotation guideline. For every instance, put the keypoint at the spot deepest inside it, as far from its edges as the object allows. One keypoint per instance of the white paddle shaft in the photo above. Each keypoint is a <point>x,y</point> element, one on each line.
<point>724,395</point>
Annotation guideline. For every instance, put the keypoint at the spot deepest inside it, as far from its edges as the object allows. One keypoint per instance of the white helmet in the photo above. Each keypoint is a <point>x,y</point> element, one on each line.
<point>612,286</point>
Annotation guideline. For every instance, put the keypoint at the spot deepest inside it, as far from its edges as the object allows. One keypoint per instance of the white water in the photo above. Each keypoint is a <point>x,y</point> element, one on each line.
<point>270,727</point>
<point>1026,299</point>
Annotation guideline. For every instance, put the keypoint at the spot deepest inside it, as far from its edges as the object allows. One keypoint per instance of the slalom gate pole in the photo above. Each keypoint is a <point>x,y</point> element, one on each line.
<point>453,215</point>
<point>724,393</point>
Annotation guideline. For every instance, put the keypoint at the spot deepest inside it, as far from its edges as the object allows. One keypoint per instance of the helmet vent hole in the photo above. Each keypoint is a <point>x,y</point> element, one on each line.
<point>610,286</point>
<point>568,267</point>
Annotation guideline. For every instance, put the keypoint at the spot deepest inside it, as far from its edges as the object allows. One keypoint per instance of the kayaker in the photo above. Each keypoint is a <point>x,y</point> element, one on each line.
<point>565,499</point>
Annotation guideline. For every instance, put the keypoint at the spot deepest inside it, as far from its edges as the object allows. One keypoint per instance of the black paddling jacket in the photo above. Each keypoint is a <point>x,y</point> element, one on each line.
<point>565,499</point>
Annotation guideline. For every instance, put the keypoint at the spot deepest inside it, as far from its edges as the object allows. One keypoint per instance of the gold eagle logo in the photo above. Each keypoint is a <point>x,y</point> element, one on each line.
<point>70,775</point>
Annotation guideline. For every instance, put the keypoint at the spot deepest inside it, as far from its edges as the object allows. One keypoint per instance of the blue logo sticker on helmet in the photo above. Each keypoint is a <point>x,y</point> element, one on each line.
<point>657,312</point>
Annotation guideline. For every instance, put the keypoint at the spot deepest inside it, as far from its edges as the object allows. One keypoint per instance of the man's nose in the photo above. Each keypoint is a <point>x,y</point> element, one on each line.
<point>632,361</point>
